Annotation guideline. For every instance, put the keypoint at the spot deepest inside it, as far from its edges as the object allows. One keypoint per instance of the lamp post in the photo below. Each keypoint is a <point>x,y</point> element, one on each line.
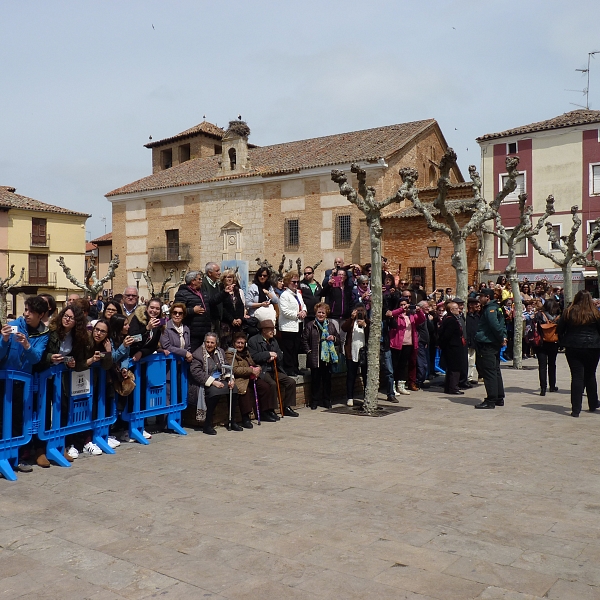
<point>434,253</point>
<point>137,275</point>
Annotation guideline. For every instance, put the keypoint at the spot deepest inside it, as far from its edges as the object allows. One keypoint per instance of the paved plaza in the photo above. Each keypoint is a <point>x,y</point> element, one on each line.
<point>439,501</point>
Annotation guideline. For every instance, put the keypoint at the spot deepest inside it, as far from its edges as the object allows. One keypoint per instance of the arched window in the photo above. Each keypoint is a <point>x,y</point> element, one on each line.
<point>432,176</point>
<point>232,158</point>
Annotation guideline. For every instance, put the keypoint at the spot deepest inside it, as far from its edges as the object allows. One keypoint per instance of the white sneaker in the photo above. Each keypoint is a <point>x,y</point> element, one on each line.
<point>146,435</point>
<point>350,402</point>
<point>73,452</point>
<point>402,388</point>
<point>91,448</point>
<point>113,442</point>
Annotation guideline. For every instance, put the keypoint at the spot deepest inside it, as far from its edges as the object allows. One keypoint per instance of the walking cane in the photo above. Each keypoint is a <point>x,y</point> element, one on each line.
<point>278,390</point>
<point>230,369</point>
<point>256,399</point>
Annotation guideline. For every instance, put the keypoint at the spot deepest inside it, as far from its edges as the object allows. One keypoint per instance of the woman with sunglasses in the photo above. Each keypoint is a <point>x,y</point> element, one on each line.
<point>260,292</point>
<point>234,309</point>
<point>292,312</point>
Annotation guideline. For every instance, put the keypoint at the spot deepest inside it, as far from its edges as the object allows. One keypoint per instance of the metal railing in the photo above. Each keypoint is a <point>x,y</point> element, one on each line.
<point>180,253</point>
<point>48,281</point>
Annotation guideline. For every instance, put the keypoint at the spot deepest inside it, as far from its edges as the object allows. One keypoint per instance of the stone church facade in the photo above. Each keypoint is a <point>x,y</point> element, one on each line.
<point>213,196</point>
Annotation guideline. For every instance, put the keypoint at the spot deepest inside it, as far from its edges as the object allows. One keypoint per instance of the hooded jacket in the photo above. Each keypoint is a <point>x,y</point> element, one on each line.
<point>14,356</point>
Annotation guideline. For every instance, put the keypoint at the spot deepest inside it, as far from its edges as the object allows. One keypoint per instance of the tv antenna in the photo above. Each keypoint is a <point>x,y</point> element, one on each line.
<point>586,90</point>
<point>103,219</point>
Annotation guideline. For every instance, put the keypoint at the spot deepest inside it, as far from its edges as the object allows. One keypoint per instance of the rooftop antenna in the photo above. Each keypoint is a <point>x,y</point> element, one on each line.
<point>586,90</point>
<point>103,219</point>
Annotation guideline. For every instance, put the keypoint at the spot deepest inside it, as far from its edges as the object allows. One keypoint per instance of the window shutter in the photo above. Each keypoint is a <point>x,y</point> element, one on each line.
<point>596,179</point>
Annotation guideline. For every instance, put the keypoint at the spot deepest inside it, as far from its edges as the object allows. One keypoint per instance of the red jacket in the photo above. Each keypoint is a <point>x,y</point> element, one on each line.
<point>397,333</point>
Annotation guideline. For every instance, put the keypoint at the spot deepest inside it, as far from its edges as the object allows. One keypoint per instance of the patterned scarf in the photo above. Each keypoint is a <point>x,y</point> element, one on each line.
<point>219,359</point>
<point>328,353</point>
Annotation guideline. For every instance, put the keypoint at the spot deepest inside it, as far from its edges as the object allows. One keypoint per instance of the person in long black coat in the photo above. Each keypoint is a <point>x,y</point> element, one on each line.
<point>199,307</point>
<point>452,343</point>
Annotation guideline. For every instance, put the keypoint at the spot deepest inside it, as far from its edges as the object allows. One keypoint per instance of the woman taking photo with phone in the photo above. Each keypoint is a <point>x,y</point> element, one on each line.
<point>147,323</point>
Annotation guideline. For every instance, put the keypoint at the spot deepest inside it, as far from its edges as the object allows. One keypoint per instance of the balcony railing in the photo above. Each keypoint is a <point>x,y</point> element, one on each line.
<point>168,254</point>
<point>39,241</point>
<point>48,281</point>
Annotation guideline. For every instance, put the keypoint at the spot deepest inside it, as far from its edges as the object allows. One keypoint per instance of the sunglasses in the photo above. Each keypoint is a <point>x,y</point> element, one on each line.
<point>177,312</point>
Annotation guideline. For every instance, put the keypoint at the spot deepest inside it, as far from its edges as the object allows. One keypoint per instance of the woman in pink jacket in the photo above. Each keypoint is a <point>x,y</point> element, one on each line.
<point>404,341</point>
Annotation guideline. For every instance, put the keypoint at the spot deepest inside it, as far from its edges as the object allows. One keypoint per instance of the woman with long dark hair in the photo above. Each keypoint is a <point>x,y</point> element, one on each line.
<point>234,309</point>
<point>260,292</point>
<point>546,320</point>
<point>112,308</point>
<point>578,332</point>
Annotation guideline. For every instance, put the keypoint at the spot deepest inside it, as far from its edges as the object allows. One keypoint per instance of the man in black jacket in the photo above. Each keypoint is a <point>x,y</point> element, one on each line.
<point>312,293</point>
<point>265,350</point>
<point>210,289</point>
<point>199,307</point>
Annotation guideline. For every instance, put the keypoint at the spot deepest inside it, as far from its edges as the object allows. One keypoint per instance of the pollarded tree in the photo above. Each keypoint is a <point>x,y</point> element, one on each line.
<point>364,199</point>
<point>512,237</point>
<point>91,284</point>
<point>5,287</point>
<point>448,224</point>
<point>567,254</point>
<point>586,258</point>
<point>164,290</point>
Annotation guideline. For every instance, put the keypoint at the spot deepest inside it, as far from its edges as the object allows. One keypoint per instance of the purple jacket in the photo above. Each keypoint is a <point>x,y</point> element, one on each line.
<point>397,333</point>
<point>169,340</point>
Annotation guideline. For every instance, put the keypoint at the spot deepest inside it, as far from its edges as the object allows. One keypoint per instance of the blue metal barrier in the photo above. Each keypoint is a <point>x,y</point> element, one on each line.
<point>436,365</point>
<point>21,399</point>
<point>502,354</point>
<point>55,385</point>
<point>150,395</point>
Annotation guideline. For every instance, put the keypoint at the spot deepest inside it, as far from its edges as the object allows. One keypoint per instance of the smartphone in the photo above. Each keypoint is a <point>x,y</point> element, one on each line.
<point>337,281</point>
<point>14,329</point>
<point>67,359</point>
<point>102,354</point>
<point>162,322</point>
<point>137,337</point>
<point>412,307</point>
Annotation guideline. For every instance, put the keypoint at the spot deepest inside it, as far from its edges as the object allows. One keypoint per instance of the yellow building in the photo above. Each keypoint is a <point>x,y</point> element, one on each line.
<point>33,235</point>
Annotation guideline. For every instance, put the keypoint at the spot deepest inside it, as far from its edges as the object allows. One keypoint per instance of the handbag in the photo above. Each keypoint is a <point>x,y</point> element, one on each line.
<point>362,357</point>
<point>123,386</point>
<point>549,334</point>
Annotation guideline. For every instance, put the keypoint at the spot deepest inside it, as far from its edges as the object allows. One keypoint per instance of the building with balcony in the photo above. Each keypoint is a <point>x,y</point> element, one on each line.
<point>559,156</point>
<point>33,235</point>
<point>215,197</point>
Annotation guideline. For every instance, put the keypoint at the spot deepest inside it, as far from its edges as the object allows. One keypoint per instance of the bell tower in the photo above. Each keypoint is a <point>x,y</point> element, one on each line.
<point>235,148</point>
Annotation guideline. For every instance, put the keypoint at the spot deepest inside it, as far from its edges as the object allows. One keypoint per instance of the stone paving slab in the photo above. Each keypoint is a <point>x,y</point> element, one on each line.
<point>437,502</point>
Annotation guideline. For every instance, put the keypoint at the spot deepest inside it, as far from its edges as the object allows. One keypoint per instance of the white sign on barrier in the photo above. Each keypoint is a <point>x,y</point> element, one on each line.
<point>80,383</point>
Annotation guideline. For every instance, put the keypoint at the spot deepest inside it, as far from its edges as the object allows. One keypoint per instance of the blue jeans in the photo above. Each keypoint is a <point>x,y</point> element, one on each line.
<point>387,371</point>
<point>422,364</point>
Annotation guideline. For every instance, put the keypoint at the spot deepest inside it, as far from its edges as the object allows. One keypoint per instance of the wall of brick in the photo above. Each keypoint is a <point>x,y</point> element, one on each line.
<point>405,243</point>
<point>200,147</point>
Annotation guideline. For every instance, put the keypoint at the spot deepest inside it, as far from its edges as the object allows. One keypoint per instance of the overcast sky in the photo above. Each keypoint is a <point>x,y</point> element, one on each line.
<point>85,83</point>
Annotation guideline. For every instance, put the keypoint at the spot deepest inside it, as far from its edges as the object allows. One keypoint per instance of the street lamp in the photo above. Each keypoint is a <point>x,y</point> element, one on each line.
<point>137,275</point>
<point>434,253</point>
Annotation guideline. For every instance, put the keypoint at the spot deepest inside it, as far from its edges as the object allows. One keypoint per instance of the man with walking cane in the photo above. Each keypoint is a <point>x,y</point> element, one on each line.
<point>266,353</point>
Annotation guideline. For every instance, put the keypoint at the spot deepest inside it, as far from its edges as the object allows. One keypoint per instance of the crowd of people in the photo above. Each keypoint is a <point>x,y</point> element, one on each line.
<point>245,347</point>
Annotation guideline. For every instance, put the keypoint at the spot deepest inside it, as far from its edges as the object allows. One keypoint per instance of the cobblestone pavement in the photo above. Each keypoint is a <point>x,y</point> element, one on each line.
<point>439,501</point>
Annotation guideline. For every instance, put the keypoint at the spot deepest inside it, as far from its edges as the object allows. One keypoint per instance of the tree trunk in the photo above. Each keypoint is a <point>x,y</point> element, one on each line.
<point>375,231</point>
<point>518,321</point>
<point>598,276</point>
<point>3,306</point>
<point>459,262</point>
<point>567,269</point>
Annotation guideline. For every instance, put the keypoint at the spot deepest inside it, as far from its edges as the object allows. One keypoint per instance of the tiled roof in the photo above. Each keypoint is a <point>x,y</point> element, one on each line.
<point>107,237</point>
<point>454,207</point>
<point>8,199</point>
<point>204,127</point>
<point>89,247</point>
<point>368,144</point>
<point>575,117</point>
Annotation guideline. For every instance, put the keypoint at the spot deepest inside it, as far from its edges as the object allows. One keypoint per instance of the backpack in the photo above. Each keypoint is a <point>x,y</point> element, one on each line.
<point>549,331</point>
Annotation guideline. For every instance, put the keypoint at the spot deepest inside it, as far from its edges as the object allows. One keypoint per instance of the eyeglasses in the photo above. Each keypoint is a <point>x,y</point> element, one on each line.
<point>130,295</point>
<point>68,318</point>
<point>262,275</point>
<point>104,331</point>
<point>177,312</point>
<point>294,281</point>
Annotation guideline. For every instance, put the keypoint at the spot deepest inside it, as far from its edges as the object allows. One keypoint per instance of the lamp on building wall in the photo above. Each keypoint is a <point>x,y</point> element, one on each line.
<point>137,275</point>
<point>434,253</point>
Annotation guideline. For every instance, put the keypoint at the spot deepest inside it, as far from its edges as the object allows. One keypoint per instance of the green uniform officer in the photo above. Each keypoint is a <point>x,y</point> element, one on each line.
<point>489,339</point>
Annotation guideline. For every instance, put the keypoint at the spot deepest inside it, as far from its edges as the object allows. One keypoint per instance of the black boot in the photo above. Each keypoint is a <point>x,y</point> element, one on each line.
<point>233,426</point>
<point>543,391</point>
<point>246,422</point>
<point>486,404</point>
